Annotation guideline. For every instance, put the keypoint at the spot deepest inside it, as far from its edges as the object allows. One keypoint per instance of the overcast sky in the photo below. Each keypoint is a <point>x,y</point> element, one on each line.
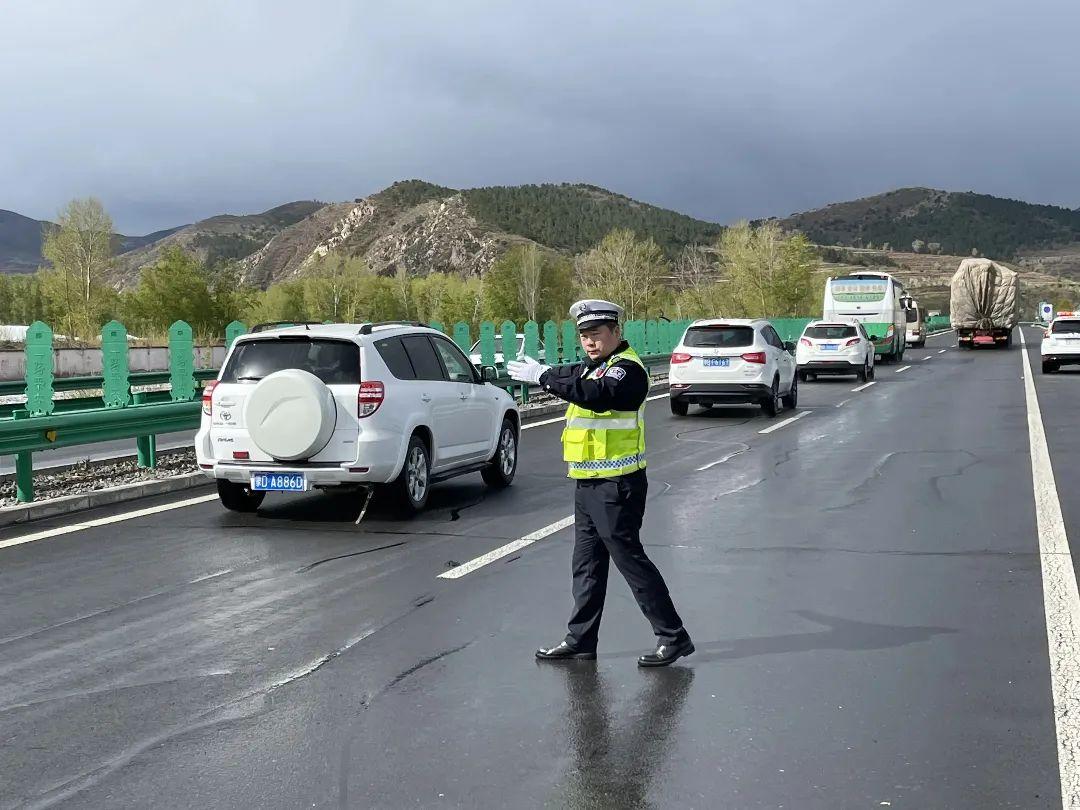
<point>171,112</point>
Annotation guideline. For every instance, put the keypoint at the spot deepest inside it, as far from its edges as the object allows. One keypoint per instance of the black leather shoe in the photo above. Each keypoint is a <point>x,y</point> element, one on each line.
<point>564,652</point>
<point>666,654</point>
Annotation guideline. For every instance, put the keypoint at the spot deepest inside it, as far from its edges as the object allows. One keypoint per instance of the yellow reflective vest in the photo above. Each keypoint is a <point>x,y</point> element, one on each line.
<point>608,444</point>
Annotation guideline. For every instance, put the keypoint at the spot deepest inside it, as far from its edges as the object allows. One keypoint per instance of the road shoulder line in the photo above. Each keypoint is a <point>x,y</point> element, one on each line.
<point>503,551</point>
<point>1060,597</point>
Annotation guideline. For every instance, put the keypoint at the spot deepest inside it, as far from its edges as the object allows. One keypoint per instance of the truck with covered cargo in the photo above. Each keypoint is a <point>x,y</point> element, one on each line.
<point>984,303</point>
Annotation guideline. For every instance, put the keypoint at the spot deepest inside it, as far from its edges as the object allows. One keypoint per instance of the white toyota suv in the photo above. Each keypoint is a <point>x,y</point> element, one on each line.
<point>732,361</point>
<point>313,406</point>
<point>1061,343</point>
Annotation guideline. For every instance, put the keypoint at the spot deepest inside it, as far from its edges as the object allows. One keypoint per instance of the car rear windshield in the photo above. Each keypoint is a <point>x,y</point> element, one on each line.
<point>335,362</point>
<point>913,316</point>
<point>1066,328</point>
<point>830,332</point>
<point>719,337</point>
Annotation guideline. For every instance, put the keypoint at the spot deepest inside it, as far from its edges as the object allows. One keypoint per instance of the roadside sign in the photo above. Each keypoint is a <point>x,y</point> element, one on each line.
<point>1046,311</point>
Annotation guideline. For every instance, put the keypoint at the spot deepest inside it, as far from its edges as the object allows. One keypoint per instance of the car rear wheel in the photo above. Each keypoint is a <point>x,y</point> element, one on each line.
<point>679,407</point>
<point>411,487</point>
<point>771,405</point>
<point>791,399</point>
<point>865,371</point>
<point>500,471</point>
<point>1049,367</point>
<point>238,497</point>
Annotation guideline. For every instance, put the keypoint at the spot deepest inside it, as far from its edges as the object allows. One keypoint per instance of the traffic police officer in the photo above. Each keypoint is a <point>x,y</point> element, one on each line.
<point>604,446</point>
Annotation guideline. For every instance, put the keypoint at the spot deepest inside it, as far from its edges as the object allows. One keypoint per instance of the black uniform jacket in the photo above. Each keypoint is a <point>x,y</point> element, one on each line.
<point>623,385</point>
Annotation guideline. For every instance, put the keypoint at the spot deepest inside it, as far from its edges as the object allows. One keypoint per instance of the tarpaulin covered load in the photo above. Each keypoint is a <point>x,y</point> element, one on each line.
<point>984,296</point>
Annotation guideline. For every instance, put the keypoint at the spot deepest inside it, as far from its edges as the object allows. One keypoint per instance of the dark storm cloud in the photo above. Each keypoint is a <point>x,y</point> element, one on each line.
<point>723,109</point>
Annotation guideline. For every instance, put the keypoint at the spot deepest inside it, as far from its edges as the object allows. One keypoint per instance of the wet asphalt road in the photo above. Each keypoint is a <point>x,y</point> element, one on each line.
<point>863,586</point>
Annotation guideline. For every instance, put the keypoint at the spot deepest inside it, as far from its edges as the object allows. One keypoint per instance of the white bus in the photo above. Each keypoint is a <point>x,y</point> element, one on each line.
<point>873,299</point>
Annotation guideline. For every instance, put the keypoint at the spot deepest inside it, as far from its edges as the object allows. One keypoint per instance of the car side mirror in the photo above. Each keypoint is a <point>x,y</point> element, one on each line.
<point>489,374</point>
<point>790,347</point>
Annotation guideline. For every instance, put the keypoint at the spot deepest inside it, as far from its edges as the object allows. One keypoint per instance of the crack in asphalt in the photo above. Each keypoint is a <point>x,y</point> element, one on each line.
<point>935,481</point>
<point>307,568</point>
<point>682,434</point>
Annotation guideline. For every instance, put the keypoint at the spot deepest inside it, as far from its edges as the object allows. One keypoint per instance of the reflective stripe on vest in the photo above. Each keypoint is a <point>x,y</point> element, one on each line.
<point>607,444</point>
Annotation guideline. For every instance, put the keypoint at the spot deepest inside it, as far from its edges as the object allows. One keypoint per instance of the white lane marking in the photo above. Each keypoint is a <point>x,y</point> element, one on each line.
<point>509,548</point>
<point>786,422</point>
<point>105,521</point>
<point>842,403</point>
<point>928,357</point>
<point>943,351</point>
<point>712,464</point>
<point>563,418</point>
<point>904,368</point>
<point>864,386</point>
<point>545,422</point>
<point>1060,598</point>
<point>214,575</point>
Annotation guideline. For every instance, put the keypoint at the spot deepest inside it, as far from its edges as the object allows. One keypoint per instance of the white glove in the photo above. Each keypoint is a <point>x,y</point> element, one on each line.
<point>526,370</point>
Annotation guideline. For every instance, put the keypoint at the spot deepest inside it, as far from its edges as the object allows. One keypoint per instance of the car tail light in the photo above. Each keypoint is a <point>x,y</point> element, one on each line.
<point>754,357</point>
<point>852,342</point>
<point>805,342</point>
<point>208,397</point>
<point>680,357</point>
<point>369,398</point>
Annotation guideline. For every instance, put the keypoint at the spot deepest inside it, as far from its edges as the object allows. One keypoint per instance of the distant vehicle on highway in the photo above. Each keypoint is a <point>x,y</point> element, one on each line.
<point>833,347</point>
<point>313,406</point>
<point>984,303</point>
<point>873,299</point>
<point>916,325</point>
<point>732,361</point>
<point>1061,343</point>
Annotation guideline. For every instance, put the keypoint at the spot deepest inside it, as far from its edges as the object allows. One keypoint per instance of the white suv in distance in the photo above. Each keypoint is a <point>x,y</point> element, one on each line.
<point>314,406</point>
<point>1061,343</point>
<point>731,361</point>
<point>835,347</point>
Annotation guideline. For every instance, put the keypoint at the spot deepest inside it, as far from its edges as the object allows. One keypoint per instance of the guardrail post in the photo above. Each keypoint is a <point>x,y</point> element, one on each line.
<point>487,343</point>
<point>115,390</point>
<point>462,336</point>
<point>569,342</point>
<point>551,343</point>
<point>232,332</point>
<point>146,446</point>
<point>39,369</point>
<point>181,362</point>
<point>24,477</point>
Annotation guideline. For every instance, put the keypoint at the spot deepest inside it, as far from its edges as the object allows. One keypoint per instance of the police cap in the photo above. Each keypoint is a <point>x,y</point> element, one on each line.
<point>591,312</point>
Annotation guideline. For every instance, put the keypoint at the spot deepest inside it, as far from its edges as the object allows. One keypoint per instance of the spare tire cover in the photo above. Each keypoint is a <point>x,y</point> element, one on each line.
<point>290,415</point>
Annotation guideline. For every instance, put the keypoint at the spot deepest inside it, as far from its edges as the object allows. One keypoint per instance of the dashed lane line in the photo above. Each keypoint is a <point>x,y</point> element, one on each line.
<point>1060,597</point>
<point>842,403</point>
<point>105,521</point>
<point>943,351</point>
<point>928,357</point>
<point>864,386</point>
<point>903,368</point>
<point>509,548</point>
<point>786,422</point>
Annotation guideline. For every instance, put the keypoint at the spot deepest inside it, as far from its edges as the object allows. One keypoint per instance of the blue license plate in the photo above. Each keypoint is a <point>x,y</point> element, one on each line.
<point>719,362</point>
<point>830,347</point>
<point>279,482</point>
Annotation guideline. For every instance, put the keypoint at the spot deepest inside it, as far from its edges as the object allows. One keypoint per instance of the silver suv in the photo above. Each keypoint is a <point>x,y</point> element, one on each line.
<point>314,406</point>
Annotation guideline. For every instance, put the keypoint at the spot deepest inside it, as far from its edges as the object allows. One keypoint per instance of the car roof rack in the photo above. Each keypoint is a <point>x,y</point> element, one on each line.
<point>368,328</point>
<point>262,327</point>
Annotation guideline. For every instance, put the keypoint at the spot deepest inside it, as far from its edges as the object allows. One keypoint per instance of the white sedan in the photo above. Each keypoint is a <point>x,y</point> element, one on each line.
<point>834,347</point>
<point>1061,343</point>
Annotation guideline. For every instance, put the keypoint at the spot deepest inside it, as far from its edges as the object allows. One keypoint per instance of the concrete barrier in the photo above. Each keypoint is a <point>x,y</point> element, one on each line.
<point>87,362</point>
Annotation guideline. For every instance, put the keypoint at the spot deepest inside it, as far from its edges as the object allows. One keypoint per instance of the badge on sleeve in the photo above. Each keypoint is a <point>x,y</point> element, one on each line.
<point>616,372</point>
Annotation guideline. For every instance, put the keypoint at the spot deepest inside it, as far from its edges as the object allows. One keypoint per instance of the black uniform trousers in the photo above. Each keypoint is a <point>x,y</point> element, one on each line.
<point>608,515</point>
